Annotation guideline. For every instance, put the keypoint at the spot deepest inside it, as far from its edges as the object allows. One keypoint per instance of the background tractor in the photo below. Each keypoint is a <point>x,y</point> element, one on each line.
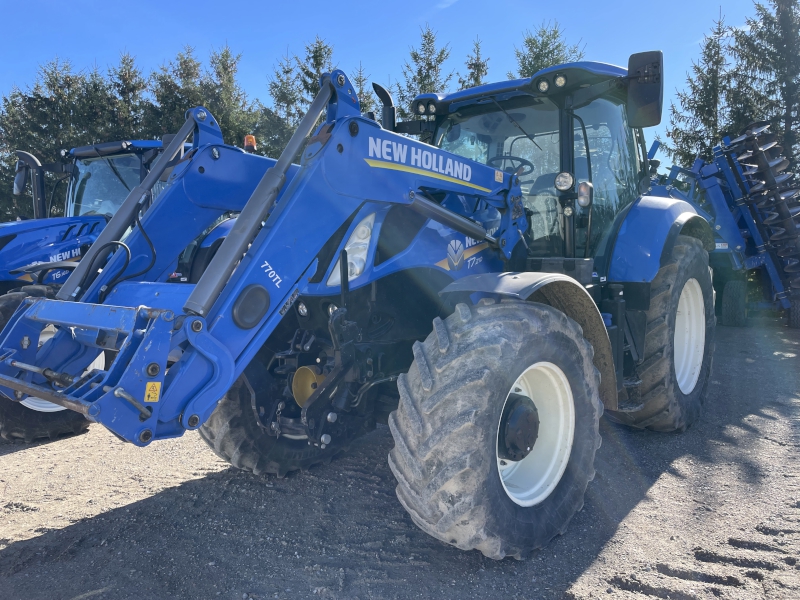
<point>37,255</point>
<point>487,294</point>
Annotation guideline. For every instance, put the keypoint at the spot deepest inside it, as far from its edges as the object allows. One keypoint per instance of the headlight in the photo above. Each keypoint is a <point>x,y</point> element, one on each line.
<point>357,247</point>
<point>431,108</point>
<point>421,108</point>
<point>561,80</point>
<point>543,85</point>
<point>564,181</point>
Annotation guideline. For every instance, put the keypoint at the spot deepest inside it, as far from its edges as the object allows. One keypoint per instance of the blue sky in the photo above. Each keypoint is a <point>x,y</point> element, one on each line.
<point>377,34</point>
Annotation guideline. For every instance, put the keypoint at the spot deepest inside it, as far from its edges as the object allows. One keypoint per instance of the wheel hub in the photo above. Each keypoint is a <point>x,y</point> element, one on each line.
<point>519,428</point>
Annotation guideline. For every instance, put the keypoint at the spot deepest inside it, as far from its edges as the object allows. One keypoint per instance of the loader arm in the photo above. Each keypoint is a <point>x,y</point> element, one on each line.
<point>180,346</point>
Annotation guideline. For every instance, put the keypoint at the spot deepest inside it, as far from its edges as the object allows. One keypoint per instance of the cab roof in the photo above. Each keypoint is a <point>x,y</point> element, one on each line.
<point>578,74</point>
<point>118,147</point>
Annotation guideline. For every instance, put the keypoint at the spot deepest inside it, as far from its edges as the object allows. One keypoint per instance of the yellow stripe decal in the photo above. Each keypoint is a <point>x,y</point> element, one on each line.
<point>382,164</point>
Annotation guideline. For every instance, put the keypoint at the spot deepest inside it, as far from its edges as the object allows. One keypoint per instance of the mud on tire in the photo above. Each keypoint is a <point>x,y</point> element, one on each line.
<point>234,434</point>
<point>659,403</point>
<point>16,420</point>
<point>446,426</point>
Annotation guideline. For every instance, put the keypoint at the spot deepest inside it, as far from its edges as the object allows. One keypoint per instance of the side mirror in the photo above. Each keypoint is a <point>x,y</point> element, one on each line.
<point>20,178</point>
<point>645,88</point>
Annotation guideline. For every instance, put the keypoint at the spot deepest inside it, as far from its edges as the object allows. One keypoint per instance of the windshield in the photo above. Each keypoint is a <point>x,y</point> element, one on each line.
<point>99,185</point>
<point>517,136</point>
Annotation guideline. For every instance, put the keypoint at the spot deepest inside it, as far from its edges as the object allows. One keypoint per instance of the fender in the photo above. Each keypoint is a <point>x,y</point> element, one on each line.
<point>647,236</point>
<point>560,292</point>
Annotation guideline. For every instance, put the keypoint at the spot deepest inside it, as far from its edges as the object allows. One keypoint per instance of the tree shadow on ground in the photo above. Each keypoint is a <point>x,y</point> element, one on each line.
<point>338,531</point>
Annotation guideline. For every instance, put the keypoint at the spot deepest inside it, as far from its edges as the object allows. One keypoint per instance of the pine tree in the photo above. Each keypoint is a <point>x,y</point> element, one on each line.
<point>285,91</point>
<point>477,68</point>
<point>175,87</point>
<point>767,55</point>
<point>366,96</point>
<point>697,122</point>
<point>222,94</point>
<point>318,60</point>
<point>128,86</point>
<point>424,73</point>
<point>544,48</point>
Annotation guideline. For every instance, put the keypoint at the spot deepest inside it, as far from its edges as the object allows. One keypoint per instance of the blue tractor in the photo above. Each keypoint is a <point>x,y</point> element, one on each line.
<point>487,294</point>
<point>37,255</point>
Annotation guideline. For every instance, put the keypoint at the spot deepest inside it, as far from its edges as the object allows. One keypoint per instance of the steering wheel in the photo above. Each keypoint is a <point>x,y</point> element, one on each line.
<point>521,168</point>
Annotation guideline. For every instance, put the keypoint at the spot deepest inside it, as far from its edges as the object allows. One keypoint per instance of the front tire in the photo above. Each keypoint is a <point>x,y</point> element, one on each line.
<point>34,418</point>
<point>234,433</point>
<point>448,455</point>
<point>678,345</point>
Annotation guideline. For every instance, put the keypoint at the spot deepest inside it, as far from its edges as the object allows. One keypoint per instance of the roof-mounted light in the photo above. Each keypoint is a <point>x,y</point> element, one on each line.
<point>543,85</point>
<point>561,81</point>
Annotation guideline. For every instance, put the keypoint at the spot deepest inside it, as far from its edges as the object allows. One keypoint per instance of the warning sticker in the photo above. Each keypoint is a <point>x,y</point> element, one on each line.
<point>498,176</point>
<point>152,391</point>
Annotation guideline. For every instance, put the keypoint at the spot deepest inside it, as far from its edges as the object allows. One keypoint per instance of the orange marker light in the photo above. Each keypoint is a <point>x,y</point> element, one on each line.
<point>249,143</point>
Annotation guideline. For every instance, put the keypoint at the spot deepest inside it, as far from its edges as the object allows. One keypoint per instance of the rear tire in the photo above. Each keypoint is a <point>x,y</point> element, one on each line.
<point>678,346</point>
<point>17,421</point>
<point>734,303</point>
<point>234,433</point>
<point>447,459</point>
<point>794,313</point>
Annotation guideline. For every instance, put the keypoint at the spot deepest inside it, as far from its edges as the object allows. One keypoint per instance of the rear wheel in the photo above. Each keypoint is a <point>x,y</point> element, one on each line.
<point>734,303</point>
<point>497,428</point>
<point>794,313</point>
<point>235,433</point>
<point>678,346</point>
<point>34,418</point>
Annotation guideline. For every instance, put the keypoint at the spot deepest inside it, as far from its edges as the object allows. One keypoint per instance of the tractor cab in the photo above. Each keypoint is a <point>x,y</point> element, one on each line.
<point>572,134</point>
<point>98,177</point>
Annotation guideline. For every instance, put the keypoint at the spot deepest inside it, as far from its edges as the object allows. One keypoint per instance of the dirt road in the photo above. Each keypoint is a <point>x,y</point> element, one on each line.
<point>713,513</point>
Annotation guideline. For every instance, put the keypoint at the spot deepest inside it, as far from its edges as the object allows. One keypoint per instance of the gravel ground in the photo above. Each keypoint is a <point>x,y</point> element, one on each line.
<point>712,513</point>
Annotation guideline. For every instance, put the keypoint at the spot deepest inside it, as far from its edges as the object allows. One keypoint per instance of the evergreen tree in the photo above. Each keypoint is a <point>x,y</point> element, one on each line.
<point>768,63</point>
<point>285,91</point>
<point>175,88</point>
<point>477,68</point>
<point>128,106</point>
<point>424,73</point>
<point>697,122</point>
<point>544,48</point>
<point>318,60</point>
<point>236,114</point>
<point>366,97</point>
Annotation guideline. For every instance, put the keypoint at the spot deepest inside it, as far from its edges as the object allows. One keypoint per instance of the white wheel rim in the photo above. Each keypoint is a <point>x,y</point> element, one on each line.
<point>531,480</point>
<point>40,405</point>
<point>690,336</point>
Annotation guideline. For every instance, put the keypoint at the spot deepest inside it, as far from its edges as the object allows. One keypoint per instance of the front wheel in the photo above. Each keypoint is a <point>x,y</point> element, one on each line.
<point>497,428</point>
<point>34,418</point>
<point>235,433</point>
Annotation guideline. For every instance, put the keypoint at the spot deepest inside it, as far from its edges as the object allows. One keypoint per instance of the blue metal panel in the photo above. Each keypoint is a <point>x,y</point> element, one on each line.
<point>641,238</point>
